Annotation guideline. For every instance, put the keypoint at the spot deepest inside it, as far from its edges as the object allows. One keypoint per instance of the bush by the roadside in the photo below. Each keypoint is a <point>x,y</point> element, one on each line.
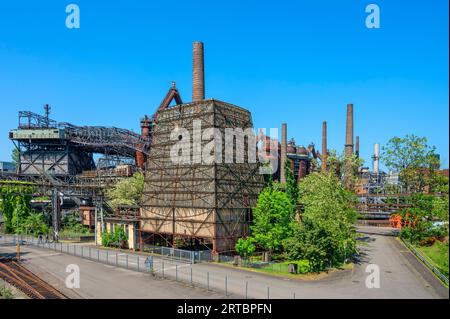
<point>6,292</point>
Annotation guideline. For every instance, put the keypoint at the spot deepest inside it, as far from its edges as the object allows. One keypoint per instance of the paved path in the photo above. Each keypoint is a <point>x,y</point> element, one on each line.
<point>401,276</point>
<point>98,280</point>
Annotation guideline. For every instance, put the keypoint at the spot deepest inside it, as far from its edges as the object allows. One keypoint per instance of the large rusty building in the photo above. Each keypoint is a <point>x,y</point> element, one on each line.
<point>194,201</point>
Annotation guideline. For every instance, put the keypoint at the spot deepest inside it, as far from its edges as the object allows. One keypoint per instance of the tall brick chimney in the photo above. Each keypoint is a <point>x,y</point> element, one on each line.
<point>357,146</point>
<point>349,131</point>
<point>198,73</point>
<point>283,155</point>
<point>324,146</point>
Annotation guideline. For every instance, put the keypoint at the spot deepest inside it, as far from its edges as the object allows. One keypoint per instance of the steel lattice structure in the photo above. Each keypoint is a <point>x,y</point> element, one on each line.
<point>210,203</point>
<point>47,146</point>
<point>96,139</point>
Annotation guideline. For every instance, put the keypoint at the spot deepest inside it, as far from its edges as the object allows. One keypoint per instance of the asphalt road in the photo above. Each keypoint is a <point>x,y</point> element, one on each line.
<point>401,275</point>
<point>102,281</point>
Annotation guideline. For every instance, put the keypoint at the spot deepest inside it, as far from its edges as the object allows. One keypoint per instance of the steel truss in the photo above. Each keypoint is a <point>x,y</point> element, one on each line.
<point>199,201</point>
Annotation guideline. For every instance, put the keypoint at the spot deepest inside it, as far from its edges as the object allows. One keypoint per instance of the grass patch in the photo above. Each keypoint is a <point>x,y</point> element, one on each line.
<point>281,269</point>
<point>70,233</point>
<point>437,254</point>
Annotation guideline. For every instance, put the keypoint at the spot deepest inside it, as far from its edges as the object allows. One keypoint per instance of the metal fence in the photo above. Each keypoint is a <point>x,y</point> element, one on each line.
<point>426,261</point>
<point>167,265</point>
<point>180,254</point>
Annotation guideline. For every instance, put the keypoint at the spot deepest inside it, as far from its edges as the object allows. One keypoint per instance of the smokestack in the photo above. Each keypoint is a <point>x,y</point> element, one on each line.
<point>376,158</point>
<point>283,152</point>
<point>198,73</point>
<point>145,133</point>
<point>324,146</point>
<point>357,146</point>
<point>349,132</point>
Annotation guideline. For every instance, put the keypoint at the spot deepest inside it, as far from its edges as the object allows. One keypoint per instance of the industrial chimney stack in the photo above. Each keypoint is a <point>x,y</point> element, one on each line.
<point>357,146</point>
<point>349,132</point>
<point>376,158</point>
<point>283,152</point>
<point>324,146</point>
<point>198,73</point>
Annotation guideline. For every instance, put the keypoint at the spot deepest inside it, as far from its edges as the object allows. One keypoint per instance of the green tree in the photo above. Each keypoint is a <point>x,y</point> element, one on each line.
<point>35,224</point>
<point>127,191</point>
<point>419,217</point>
<point>325,235</point>
<point>272,219</point>
<point>291,184</point>
<point>15,156</point>
<point>345,168</point>
<point>245,247</point>
<point>15,204</point>
<point>413,159</point>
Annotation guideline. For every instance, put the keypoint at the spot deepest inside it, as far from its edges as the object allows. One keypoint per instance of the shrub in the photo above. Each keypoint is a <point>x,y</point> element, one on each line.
<point>115,238</point>
<point>6,292</point>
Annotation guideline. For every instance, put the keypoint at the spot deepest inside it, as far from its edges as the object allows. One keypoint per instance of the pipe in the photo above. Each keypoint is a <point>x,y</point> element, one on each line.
<point>198,73</point>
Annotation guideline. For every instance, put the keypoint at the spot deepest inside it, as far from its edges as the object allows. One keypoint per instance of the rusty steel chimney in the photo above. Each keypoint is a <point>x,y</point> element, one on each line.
<point>145,133</point>
<point>198,73</point>
<point>357,146</point>
<point>349,132</point>
<point>324,146</point>
<point>283,152</point>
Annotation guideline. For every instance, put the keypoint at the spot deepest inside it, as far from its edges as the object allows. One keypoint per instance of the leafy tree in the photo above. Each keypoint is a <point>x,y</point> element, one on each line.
<point>291,184</point>
<point>418,219</point>
<point>413,159</point>
<point>15,204</point>
<point>325,235</point>
<point>127,191</point>
<point>345,168</point>
<point>71,226</point>
<point>35,224</point>
<point>272,219</point>
<point>245,247</point>
<point>15,156</point>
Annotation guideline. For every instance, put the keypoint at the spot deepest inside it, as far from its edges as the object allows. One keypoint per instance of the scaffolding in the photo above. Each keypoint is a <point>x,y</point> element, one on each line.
<point>209,204</point>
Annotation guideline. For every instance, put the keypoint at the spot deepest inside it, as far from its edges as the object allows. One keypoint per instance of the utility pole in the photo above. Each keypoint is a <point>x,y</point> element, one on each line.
<point>95,225</point>
<point>18,240</point>
<point>55,204</point>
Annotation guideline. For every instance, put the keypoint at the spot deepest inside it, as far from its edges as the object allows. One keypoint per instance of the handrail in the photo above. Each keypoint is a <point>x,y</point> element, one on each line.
<point>425,261</point>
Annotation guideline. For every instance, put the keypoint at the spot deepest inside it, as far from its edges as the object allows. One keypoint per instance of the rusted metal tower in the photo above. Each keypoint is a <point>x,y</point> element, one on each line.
<point>207,202</point>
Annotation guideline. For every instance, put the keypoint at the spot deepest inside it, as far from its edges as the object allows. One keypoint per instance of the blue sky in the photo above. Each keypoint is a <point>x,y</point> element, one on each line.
<point>294,61</point>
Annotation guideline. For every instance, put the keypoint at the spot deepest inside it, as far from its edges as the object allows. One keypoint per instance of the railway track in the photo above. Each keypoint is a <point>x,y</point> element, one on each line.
<point>23,279</point>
